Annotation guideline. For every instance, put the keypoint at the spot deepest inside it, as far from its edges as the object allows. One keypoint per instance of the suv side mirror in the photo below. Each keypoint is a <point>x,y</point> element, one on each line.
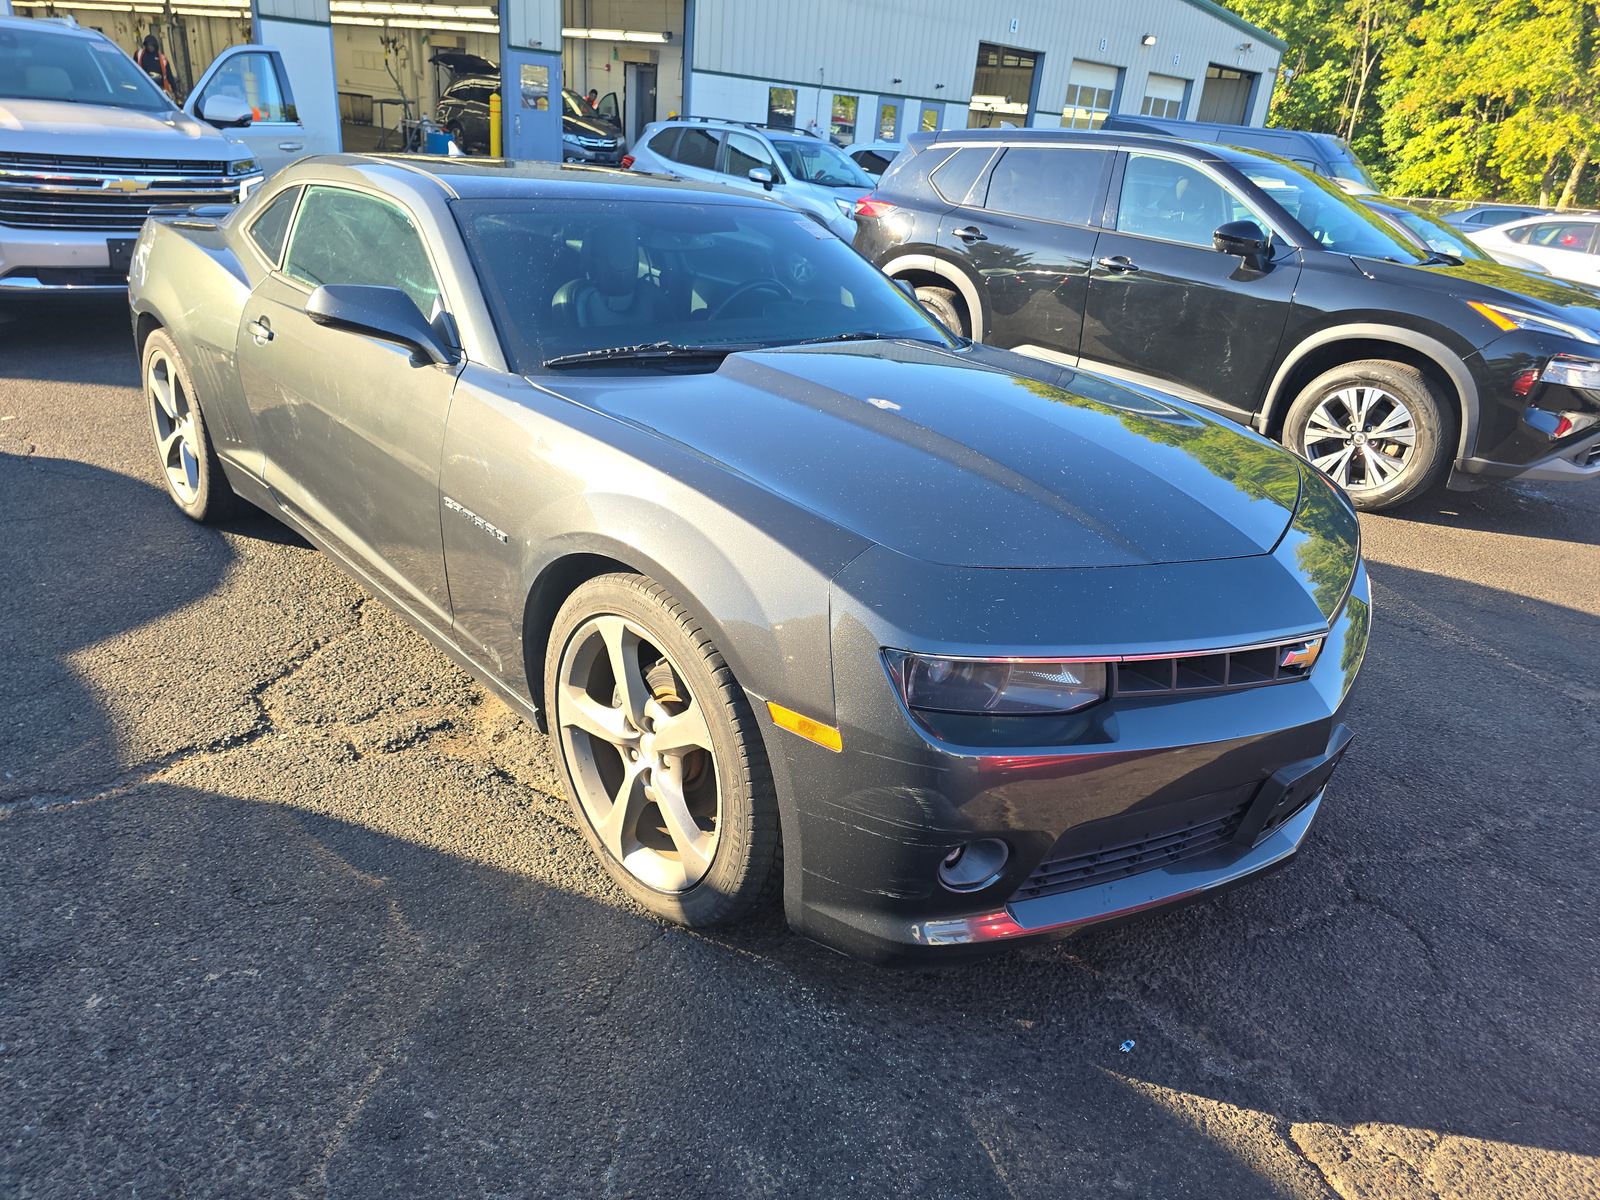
<point>1245,239</point>
<point>225,112</point>
<point>763,176</point>
<point>381,312</point>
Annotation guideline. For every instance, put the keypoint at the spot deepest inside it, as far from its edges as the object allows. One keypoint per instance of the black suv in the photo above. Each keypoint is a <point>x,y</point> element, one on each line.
<point>1237,280</point>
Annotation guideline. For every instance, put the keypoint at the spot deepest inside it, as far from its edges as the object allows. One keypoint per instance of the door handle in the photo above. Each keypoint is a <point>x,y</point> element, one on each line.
<point>971,233</point>
<point>261,330</point>
<point>291,147</point>
<point>1118,264</point>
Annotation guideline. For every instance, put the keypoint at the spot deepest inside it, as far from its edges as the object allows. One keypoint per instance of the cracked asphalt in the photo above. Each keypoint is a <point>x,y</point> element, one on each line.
<point>292,907</point>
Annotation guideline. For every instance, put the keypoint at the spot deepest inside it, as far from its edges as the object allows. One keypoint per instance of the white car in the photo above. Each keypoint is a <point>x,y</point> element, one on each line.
<point>799,168</point>
<point>874,157</point>
<point>1565,244</point>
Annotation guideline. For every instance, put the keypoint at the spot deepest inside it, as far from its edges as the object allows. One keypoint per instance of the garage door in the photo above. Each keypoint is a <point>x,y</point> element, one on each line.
<point>1163,96</point>
<point>1091,92</point>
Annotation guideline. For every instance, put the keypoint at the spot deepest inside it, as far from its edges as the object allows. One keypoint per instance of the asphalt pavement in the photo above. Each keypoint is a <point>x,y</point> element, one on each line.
<point>289,906</point>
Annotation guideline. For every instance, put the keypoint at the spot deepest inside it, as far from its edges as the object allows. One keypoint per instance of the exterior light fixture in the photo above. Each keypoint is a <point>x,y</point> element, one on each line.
<point>1148,39</point>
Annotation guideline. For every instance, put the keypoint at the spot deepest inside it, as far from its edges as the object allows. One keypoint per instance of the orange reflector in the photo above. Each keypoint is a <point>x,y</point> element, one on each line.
<point>812,731</point>
<point>1498,319</point>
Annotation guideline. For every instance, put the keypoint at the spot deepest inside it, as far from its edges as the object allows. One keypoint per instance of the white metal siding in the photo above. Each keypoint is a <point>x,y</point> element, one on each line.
<point>931,46</point>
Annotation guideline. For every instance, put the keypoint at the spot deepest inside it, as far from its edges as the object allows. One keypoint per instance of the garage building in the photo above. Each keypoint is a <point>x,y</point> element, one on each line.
<point>355,71</point>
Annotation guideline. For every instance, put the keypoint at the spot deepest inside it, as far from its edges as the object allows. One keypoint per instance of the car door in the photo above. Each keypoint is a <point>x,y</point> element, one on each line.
<point>1565,248</point>
<point>697,152</point>
<point>741,154</point>
<point>1026,234</point>
<point>256,76</point>
<point>1165,308</point>
<point>351,427</point>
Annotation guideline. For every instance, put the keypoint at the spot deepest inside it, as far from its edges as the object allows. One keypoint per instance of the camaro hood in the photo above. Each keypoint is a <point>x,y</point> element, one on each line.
<point>103,131</point>
<point>945,457</point>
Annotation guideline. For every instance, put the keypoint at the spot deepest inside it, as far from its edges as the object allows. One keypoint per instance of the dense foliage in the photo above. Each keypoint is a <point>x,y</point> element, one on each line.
<point>1462,98</point>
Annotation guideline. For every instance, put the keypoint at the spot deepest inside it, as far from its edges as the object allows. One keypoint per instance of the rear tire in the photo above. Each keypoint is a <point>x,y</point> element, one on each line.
<point>689,833</point>
<point>1381,430</point>
<point>188,462</point>
<point>946,308</point>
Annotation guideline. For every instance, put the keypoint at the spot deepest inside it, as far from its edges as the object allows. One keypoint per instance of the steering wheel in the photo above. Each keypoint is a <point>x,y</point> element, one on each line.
<point>745,289</point>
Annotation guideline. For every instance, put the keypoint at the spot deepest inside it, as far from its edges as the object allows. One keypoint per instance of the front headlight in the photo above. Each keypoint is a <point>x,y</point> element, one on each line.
<point>997,687</point>
<point>570,139</point>
<point>1506,318</point>
<point>243,166</point>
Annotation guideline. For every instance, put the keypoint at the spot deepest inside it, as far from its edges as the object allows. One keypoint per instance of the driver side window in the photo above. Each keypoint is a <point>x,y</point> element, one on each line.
<point>745,154</point>
<point>341,236</point>
<point>253,78</point>
<point>1174,201</point>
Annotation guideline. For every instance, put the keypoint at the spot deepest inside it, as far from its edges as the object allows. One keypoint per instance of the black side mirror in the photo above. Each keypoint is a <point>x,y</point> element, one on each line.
<point>1245,239</point>
<point>763,176</point>
<point>381,312</point>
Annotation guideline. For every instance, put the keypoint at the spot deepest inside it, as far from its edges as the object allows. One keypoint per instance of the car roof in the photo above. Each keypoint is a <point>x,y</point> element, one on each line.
<point>1566,218</point>
<point>1205,151</point>
<point>493,178</point>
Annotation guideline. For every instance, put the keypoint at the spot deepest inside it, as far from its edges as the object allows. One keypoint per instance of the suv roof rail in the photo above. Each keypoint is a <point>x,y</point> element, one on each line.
<point>750,124</point>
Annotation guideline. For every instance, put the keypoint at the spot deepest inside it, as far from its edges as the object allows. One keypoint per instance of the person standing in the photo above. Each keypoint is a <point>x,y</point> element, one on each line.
<point>155,64</point>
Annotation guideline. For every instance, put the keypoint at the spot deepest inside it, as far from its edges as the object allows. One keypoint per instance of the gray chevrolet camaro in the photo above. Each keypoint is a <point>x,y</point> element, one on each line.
<point>951,646</point>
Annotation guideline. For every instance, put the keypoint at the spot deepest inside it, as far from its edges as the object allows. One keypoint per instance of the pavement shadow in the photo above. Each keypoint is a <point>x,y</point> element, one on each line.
<point>55,341</point>
<point>1561,512</point>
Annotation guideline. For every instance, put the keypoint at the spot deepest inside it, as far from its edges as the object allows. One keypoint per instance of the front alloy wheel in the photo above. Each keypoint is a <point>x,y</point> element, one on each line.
<point>1381,430</point>
<point>189,464</point>
<point>660,753</point>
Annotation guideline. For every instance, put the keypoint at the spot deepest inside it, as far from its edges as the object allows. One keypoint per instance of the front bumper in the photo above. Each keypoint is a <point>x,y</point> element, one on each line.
<point>60,262</point>
<point>870,826</point>
<point>599,155</point>
<point>1514,434</point>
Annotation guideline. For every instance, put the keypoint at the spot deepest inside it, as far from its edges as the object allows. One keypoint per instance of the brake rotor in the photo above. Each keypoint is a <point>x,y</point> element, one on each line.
<point>665,691</point>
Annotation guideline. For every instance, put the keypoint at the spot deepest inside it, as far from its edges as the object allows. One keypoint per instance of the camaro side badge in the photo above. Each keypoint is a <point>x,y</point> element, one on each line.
<point>466,512</point>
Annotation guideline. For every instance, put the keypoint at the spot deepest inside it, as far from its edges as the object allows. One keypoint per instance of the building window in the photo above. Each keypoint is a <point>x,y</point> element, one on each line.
<point>1163,97</point>
<point>1091,94</point>
<point>843,123</point>
<point>780,107</point>
<point>1002,86</point>
<point>930,117</point>
<point>888,122</point>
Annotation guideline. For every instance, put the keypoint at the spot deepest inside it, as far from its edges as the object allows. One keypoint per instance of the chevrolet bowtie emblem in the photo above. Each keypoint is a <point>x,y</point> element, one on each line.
<point>124,185</point>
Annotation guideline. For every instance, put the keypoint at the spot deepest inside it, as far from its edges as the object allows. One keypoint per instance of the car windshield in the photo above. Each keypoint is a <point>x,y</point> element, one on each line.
<point>573,106</point>
<point>569,277</point>
<point>816,161</point>
<point>1349,168</point>
<point>1433,234</point>
<point>1338,221</point>
<point>43,64</point>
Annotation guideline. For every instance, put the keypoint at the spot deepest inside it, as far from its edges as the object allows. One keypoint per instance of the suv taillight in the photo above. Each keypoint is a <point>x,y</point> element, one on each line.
<point>871,206</point>
<point>627,161</point>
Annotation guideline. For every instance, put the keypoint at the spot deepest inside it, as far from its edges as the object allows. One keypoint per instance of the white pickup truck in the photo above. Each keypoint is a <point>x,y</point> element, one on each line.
<point>88,145</point>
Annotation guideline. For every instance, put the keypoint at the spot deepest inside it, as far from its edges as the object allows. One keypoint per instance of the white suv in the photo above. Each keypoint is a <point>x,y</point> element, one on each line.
<point>799,168</point>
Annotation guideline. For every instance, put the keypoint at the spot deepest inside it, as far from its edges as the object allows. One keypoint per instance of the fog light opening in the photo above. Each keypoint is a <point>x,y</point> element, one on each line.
<point>973,866</point>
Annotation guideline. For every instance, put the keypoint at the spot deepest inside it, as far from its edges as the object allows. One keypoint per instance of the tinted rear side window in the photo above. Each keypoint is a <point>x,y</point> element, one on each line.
<point>271,228</point>
<point>698,148</point>
<point>1049,183</point>
<point>665,143</point>
<point>954,177</point>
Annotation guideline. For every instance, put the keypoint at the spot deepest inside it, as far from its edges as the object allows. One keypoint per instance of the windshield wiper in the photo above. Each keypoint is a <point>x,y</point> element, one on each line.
<point>860,335</point>
<point>646,352</point>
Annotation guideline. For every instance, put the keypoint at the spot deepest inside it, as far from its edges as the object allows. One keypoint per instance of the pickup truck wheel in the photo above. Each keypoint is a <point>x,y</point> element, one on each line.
<point>660,754</point>
<point>188,461</point>
<point>1381,430</point>
<point>946,307</point>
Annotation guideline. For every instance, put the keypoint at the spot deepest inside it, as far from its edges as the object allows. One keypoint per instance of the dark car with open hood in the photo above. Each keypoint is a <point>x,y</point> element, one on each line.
<point>949,647</point>
<point>1260,290</point>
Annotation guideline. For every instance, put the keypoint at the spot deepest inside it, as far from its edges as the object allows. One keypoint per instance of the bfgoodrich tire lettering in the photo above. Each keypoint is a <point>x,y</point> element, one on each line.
<point>660,754</point>
<point>1381,430</point>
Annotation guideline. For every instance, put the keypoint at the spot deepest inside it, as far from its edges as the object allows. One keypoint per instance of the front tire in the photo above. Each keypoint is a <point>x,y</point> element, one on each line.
<point>189,464</point>
<point>1381,430</point>
<point>661,756</point>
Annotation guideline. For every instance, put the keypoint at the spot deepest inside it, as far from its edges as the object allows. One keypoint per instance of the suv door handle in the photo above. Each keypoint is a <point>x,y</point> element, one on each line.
<point>970,234</point>
<point>261,330</point>
<point>1118,264</point>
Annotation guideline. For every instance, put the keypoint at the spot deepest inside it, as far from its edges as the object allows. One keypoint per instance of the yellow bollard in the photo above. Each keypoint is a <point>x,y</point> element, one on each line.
<point>494,125</point>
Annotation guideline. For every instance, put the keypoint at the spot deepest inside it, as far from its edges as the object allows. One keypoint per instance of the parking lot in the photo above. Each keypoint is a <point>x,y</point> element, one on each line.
<point>293,907</point>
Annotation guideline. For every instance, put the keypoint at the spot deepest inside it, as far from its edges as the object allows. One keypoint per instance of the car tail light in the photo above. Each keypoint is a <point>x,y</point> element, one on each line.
<point>871,206</point>
<point>627,161</point>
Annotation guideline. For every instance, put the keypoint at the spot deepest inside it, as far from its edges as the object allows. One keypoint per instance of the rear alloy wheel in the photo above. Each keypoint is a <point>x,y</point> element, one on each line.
<point>661,755</point>
<point>1380,430</point>
<point>189,463</point>
<point>946,308</point>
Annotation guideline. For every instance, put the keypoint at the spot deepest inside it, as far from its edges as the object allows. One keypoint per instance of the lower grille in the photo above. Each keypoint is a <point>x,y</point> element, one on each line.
<point>1057,875</point>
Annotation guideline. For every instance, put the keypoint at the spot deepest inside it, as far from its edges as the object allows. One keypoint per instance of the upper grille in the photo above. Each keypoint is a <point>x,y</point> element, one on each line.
<point>1087,868</point>
<point>60,191</point>
<point>1221,670</point>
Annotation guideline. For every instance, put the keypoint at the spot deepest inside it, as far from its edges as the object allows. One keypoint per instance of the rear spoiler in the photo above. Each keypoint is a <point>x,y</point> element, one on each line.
<point>192,216</point>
